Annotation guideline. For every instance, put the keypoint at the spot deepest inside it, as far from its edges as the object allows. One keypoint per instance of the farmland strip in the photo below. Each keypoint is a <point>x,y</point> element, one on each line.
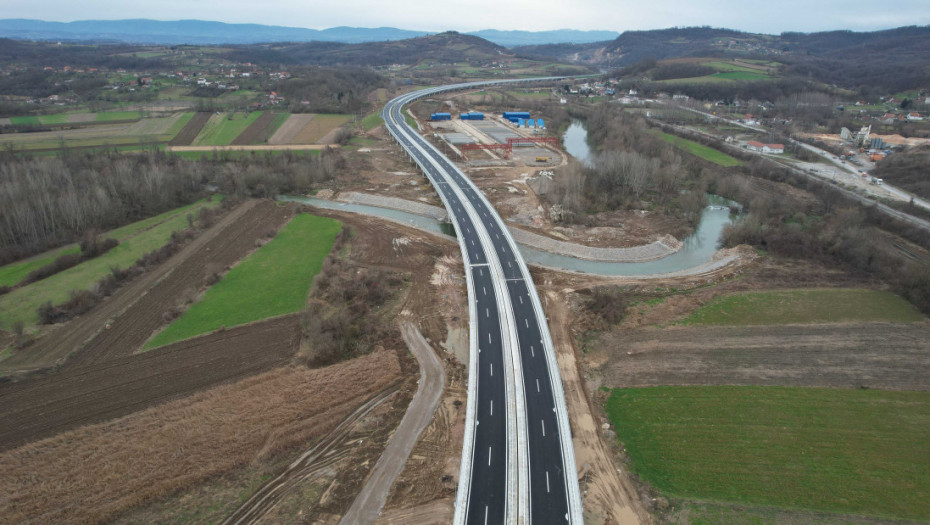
<point>191,130</point>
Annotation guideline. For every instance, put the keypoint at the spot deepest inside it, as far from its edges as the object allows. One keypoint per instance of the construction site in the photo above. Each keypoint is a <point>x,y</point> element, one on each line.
<point>505,139</point>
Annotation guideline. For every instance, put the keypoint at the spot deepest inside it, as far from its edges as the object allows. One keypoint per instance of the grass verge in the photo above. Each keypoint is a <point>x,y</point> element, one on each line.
<point>699,150</point>
<point>272,281</point>
<point>136,239</point>
<point>373,120</point>
<point>821,305</point>
<point>845,451</point>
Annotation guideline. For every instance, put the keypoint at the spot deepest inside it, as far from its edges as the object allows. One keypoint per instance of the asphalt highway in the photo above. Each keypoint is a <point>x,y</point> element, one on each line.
<point>500,279</point>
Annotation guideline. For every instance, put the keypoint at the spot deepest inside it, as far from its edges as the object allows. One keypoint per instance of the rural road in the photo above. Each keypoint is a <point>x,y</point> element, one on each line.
<point>369,502</point>
<point>258,147</point>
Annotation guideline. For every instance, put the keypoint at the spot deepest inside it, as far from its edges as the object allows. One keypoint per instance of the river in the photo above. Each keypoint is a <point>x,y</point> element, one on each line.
<point>698,249</point>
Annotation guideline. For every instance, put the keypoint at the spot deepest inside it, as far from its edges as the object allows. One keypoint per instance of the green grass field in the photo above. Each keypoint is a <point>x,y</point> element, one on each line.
<point>700,150</point>
<point>819,305</point>
<point>220,130</point>
<point>831,450</point>
<point>106,116</point>
<point>13,273</point>
<point>529,94</point>
<point>372,120</point>
<point>125,137</point>
<point>709,79</point>
<point>412,122</point>
<point>273,281</point>
<point>743,75</point>
<point>24,121</point>
<point>57,118</point>
<point>135,239</point>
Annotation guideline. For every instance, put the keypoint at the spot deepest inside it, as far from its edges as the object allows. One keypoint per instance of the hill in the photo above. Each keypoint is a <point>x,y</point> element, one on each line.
<point>144,31</point>
<point>448,48</point>
<point>892,59</point>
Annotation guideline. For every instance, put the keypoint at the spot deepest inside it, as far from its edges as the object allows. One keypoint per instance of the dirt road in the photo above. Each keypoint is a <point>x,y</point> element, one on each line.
<point>609,496</point>
<point>258,147</point>
<point>368,504</point>
<point>874,355</point>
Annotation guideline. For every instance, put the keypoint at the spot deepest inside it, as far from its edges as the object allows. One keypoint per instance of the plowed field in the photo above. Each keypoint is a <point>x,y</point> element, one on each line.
<point>190,131</point>
<point>291,127</point>
<point>80,395</point>
<point>254,131</point>
<point>871,355</point>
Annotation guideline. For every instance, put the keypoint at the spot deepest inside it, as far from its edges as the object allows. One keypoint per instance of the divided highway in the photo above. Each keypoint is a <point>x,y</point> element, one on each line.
<point>518,463</point>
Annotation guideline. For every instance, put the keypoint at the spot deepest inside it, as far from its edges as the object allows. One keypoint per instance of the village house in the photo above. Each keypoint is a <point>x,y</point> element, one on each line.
<point>914,116</point>
<point>755,145</point>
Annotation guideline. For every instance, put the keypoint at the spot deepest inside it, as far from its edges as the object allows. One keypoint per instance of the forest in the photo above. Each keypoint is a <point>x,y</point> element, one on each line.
<point>632,167</point>
<point>49,201</point>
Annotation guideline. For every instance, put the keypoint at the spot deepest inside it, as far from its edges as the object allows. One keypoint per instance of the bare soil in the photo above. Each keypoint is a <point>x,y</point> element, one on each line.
<point>317,130</point>
<point>436,512</point>
<point>190,130</point>
<point>872,355</point>
<point>81,395</point>
<point>91,474</point>
<point>511,191</point>
<point>291,127</point>
<point>252,133</point>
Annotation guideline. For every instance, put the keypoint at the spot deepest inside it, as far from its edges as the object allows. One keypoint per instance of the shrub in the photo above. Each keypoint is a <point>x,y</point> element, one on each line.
<point>609,303</point>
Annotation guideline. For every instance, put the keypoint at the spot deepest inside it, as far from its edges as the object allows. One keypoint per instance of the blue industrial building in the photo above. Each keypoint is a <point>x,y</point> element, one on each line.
<point>474,115</point>
<point>441,116</point>
<point>509,115</point>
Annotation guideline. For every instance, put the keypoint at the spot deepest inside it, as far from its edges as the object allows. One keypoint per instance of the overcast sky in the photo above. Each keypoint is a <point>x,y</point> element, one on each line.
<point>470,15</point>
